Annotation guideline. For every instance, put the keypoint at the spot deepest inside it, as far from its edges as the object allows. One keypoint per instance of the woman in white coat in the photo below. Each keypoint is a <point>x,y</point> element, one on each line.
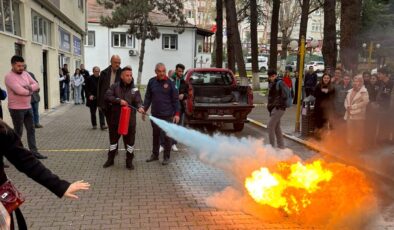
<point>356,103</point>
<point>76,82</point>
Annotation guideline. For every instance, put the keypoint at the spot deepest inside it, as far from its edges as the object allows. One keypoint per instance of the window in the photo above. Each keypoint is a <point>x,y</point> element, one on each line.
<point>170,41</point>
<point>80,4</point>
<point>90,38</point>
<point>211,78</point>
<point>9,16</point>
<point>123,40</point>
<point>41,29</point>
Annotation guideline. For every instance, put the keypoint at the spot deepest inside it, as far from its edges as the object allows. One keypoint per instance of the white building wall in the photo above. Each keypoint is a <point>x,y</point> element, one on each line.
<point>101,53</point>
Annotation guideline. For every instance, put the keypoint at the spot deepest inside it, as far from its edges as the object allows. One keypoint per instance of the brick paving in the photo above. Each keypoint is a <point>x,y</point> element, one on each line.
<point>150,197</point>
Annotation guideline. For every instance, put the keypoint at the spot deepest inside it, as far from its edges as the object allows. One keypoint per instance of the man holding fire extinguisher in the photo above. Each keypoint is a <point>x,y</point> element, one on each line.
<point>122,94</point>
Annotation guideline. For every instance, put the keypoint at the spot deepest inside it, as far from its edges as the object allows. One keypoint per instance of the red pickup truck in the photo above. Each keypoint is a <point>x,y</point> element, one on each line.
<point>215,98</point>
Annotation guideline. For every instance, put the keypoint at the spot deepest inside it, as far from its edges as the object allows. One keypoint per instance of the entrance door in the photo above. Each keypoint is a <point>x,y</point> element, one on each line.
<point>45,77</point>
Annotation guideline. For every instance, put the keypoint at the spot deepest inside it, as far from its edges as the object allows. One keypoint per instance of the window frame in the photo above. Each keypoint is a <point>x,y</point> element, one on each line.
<point>87,38</point>
<point>41,29</point>
<point>13,25</point>
<point>168,37</point>
<point>129,38</point>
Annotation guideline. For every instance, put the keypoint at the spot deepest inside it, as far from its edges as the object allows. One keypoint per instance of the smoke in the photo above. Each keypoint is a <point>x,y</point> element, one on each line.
<point>347,201</point>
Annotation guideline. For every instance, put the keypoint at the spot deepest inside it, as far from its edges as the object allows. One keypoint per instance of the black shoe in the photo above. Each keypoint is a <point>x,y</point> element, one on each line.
<point>152,158</point>
<point>39,156</point>
<point>129,161</point>
<point>165,162</point>
<point>129,165</point>
<point>108,163</point>
<point>38,126</point>
<point>94,127</point>
<point>104,127</point>
<point>6,166</point>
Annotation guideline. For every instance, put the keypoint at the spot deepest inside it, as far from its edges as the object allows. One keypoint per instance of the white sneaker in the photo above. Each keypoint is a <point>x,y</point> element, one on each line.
<point>161,149</point>
<point>174,148</point>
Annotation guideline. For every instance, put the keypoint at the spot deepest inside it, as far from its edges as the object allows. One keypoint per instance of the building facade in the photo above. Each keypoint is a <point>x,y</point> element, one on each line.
<point>190,48</point>
<point>48,34</point>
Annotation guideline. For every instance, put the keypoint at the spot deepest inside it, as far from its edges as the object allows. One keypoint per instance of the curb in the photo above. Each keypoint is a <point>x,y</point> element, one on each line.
<point>322,150</point>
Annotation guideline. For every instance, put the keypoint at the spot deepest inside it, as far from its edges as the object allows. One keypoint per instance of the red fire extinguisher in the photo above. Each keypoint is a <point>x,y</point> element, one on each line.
<point>123,127</point>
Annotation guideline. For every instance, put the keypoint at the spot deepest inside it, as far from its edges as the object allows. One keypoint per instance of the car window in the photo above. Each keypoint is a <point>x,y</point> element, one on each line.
<point>211,78</point>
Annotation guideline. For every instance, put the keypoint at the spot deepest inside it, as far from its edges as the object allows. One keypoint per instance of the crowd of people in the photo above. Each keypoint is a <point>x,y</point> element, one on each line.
<point>357,106</point>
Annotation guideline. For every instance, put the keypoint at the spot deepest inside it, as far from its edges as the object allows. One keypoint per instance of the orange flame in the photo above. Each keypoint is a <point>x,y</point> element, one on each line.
<point>289,187</point>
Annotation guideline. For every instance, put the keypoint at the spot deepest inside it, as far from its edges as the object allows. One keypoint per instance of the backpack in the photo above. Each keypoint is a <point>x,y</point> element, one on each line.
<point>289,98</point>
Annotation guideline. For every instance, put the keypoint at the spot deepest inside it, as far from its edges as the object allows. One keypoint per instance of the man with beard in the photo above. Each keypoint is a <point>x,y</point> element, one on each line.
<point>122,93</point>
<point>20,86</point>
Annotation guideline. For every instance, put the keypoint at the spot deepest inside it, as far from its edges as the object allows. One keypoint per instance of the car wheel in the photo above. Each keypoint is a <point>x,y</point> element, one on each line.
<point>238,127</point>
<point>263,69</point>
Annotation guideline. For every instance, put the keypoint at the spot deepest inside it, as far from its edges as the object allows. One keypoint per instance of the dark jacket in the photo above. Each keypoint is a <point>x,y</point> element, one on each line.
<point>163,96</point>
<point>11,147</point>
<point>276,95</point>
<point>373,90</point>
<point>91,85</point>
<point>128,93</point>
<point>182,89</point>
<point>340,95</point>
<point>324,104</point>
<point>310,80</point>
<point>103,86</point>
<point>384,95</point>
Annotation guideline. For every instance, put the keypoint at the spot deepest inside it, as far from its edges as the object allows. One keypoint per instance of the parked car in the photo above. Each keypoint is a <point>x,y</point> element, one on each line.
<point>317,65</point>
<point>291,65</point>
<point>262,61</point>
<point>215,98</point>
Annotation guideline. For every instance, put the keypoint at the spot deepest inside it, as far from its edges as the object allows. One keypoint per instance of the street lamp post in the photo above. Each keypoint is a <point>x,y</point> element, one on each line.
<point>301,50</point>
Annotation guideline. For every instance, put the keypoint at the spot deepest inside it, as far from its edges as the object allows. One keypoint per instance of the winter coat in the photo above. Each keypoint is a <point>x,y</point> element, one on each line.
<point>340,95</point>
<point>183,88</point>
<point>104,84</point>
<point>125,92</point>
<point>276,95</point>
<point>357,105</point>
<point>91,90</point>
<point>11,148</point>
<point>77,80</point>
<point>323,104</point>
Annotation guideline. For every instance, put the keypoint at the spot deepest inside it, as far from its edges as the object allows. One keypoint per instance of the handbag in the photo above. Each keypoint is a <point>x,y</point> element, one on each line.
<point>10,197</point>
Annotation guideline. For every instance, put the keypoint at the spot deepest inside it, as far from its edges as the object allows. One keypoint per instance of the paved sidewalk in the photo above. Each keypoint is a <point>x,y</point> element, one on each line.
<point>379,159</point>
<point>150,197</point>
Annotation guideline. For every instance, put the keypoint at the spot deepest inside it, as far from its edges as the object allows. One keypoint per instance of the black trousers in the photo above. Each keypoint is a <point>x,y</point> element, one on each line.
<point>24,117</point>
<point>128,139</point>
<point>156,139</point>
<point>93,119</point>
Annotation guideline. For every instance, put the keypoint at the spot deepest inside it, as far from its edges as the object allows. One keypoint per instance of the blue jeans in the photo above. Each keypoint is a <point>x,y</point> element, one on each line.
<point>22,117</point>
<point>77,94</point>
<point>36,115</point>
<point>66,92</point>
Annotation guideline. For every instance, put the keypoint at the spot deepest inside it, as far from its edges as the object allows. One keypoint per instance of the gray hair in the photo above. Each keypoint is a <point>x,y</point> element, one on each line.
<point>96,67</point>
<point>158,65</point>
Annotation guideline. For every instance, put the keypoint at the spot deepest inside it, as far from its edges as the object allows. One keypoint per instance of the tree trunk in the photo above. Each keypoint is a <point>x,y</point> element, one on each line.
<point>303,26</point>
<point>329,39</point>
<point>254,44</point>
<point>285,43</point>
<point>350,29</point>
<point>219,34</point>
<point>237,43</point>
<point>142,53</point>
<point>230,35</point>
<point>274,35</point>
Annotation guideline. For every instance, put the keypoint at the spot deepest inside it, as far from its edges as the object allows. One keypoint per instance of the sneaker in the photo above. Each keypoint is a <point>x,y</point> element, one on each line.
<point>174,148</point>
<point>152,158</point>
<point>161,149</point>
<point>38,126</point>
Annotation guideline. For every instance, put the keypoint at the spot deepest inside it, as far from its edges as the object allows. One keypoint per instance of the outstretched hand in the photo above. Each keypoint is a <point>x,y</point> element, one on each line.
<point>75,187</point>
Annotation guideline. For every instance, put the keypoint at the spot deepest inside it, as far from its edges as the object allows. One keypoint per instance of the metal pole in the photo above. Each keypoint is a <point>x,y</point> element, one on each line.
<point>300,75</point>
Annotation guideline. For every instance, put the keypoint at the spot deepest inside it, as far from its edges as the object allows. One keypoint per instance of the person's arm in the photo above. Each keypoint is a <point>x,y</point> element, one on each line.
<point>99,86</point>
<point>110,96</point>
<point>148,96</point>
<point>362,102</point>
<point>137,99</point>
<point>17,88</point>
<point>33,84</point>
<point>175,99</point>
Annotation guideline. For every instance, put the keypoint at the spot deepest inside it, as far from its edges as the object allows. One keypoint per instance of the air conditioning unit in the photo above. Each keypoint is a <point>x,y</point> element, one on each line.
<point>133,52</point>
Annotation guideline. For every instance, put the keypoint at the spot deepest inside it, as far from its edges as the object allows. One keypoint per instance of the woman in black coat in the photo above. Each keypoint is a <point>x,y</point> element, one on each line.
<point>11,147</point>
<point>324,94</point>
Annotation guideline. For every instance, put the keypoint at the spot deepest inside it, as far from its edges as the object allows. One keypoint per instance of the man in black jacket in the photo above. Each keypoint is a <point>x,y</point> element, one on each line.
<point>85,73</point>
<point>276,107</point>
<point>122,93</point>
<point>310,81</point>
<point>107,77</point>
<point>163,96</point>
<point>91,97</point>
